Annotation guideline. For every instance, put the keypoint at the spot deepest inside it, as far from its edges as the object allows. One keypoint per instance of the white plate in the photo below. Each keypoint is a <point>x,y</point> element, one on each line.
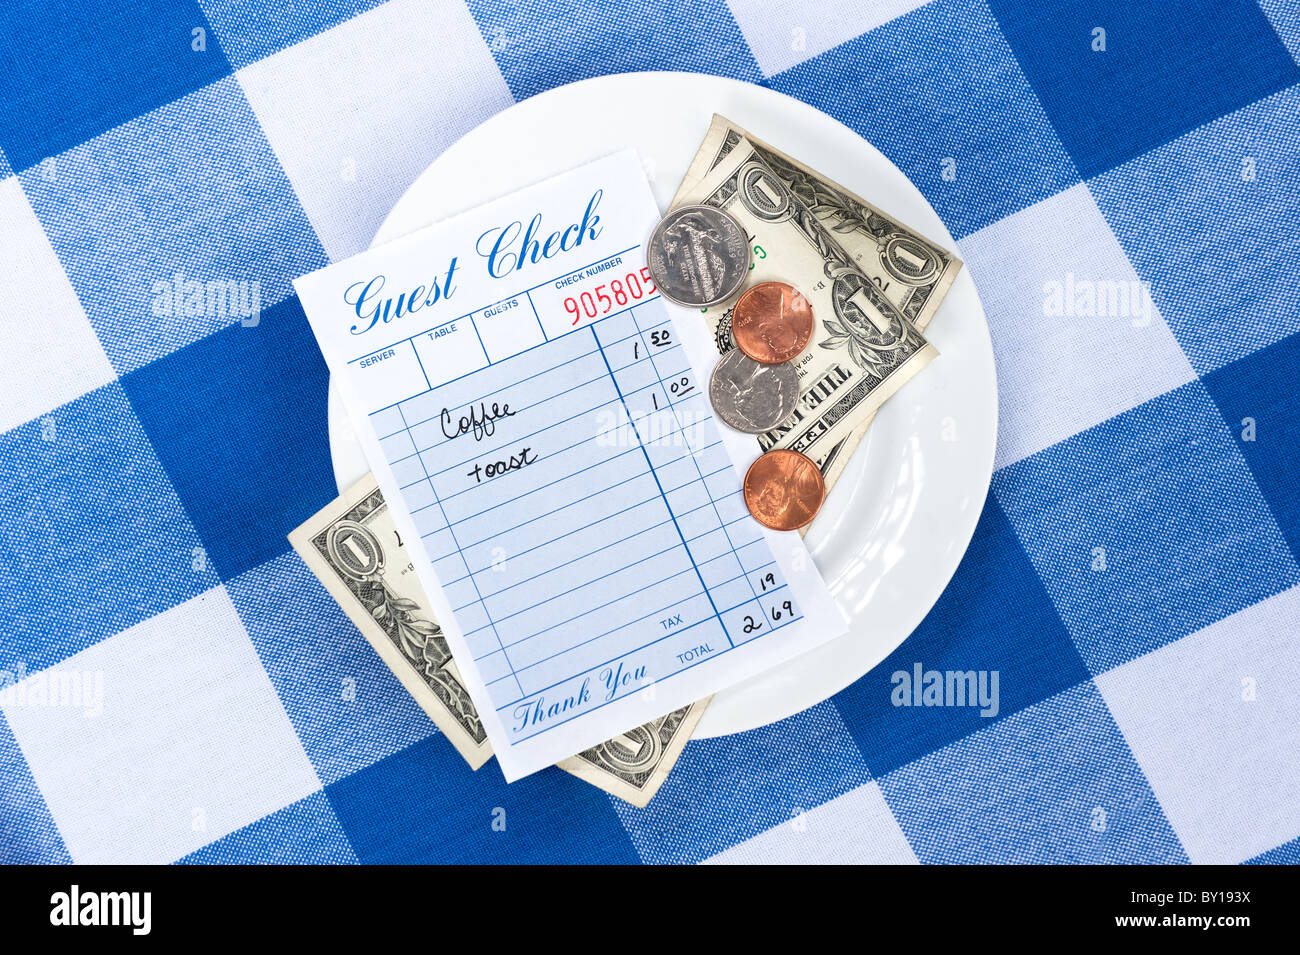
<point>893,530</point>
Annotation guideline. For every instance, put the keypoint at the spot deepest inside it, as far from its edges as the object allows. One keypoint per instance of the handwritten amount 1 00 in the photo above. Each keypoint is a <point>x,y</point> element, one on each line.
<point>621,292</point>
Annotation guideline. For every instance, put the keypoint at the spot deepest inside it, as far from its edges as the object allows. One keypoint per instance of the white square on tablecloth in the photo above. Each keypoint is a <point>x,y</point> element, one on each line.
<point>1212,721</point>
<point>51,354</point>
<point>190,742</point>
<point>856,828</point>
<point>1062,374</point>
<point>784,33</point>
<point>354,114</point>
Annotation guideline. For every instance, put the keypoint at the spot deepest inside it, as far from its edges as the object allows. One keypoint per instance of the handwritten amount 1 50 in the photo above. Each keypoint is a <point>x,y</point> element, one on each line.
<point>621,292</point>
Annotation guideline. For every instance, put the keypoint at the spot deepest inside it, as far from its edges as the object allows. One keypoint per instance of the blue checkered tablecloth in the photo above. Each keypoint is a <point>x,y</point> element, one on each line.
<point>1133,579</point>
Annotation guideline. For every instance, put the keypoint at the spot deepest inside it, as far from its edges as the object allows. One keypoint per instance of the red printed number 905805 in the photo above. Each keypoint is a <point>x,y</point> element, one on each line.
<point>616,293</point>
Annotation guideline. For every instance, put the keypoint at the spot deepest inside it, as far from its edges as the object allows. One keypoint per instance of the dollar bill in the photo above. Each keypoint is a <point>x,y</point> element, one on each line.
<point>354,549</point>
<point>913,272</point>
<point>863,347</point>
<point>633,765</point>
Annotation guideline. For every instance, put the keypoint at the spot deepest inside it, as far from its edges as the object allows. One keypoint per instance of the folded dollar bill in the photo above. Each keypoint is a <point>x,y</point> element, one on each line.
<point>911,271</point>
<point>863,347</point>
<point>353,548</point>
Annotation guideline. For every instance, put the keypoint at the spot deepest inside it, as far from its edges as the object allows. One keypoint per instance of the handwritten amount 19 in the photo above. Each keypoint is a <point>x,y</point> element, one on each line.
<point>631,288</point>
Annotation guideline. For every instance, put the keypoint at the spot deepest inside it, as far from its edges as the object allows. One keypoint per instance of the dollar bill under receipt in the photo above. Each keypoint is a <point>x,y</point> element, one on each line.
<point>876,282</point>
<point>569,503</point>
<point>354,549</point>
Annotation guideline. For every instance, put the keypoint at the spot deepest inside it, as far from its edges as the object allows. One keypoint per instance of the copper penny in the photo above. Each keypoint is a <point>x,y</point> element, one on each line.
<point>784,490</point>
<point>772,322</point>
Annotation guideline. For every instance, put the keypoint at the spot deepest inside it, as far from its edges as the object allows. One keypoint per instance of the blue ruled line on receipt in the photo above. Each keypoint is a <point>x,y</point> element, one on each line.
<point>580,508</point>
<point>572,507</point>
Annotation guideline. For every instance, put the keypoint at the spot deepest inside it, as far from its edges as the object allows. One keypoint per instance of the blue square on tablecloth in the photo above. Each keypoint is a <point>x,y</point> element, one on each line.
<point>425,805</point>
<point>1054,783</point>
<point>1209,221</point>
<point>174,225</point>
<point>994,617</point>
<point>305,833</point>
<point>727,789</point>
<point>5,169</point>
<point>1284,15</point>
<point>28,835</point>
<point>93,538</point>
<point>1286,854</point>
<point>252,29</point>
<point>238,419</point>
<point>73,70</point>
<point>1146,527</point>
<point>1260,400</point>
<point>939,92</point>
<point>539,44</point>
<point>347,707</point>
<point>1163,71</point>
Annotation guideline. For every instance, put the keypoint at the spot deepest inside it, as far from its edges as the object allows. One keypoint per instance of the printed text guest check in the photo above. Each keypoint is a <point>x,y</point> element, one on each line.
<point>536,419</point>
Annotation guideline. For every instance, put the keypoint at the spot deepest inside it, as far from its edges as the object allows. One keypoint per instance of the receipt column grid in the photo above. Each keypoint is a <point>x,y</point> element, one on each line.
<point>551,592</point>
<point>723,526</point>
<point>636,431</point>
<point>452,532</point>
<point>750,593</point>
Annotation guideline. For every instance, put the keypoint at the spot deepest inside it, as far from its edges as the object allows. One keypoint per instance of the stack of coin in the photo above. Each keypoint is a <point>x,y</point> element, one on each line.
<point>698,257</point>
<point>750,396</point>
<point>784,490</point>
<point>755,387</point>
<point>772,324</point>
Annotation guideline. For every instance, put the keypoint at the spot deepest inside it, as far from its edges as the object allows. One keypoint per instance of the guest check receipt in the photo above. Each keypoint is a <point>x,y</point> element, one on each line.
<point>533,412</point>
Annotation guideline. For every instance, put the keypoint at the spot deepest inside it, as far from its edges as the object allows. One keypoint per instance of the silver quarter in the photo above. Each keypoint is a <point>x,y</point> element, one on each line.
<point>698,256</point>
<point>750,396</point>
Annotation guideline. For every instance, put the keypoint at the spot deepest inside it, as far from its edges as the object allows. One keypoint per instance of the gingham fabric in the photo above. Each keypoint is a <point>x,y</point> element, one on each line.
<point>1133,579</point>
